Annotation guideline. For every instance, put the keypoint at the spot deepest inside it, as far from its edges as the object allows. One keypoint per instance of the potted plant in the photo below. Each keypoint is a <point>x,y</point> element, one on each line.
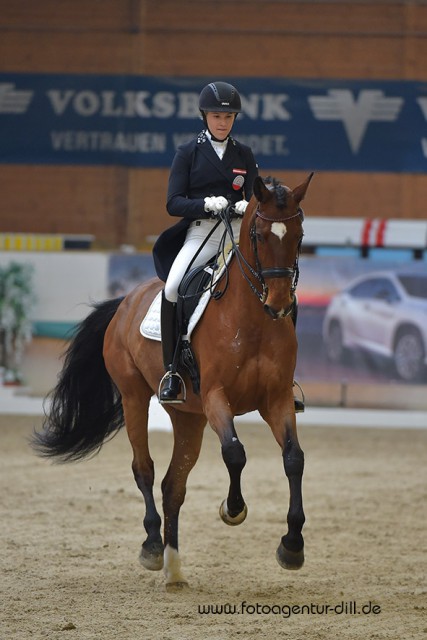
<point>16,303</point>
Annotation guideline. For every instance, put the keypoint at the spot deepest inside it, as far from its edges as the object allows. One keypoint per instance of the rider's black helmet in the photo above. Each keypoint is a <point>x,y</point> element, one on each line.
<point>220,96</point>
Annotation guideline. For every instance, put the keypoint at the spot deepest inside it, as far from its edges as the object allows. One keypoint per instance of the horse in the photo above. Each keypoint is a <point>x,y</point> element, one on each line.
<point>245,346</point>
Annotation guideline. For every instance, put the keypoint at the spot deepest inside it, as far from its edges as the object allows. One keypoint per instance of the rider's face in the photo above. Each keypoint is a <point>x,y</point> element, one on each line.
<point>220,123</point>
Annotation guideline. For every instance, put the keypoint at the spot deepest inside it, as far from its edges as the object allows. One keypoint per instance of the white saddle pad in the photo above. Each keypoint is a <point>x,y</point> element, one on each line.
<point>150,325</point>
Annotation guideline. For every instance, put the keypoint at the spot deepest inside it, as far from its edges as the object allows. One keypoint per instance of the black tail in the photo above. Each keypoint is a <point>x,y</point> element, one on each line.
<point>86,406</point>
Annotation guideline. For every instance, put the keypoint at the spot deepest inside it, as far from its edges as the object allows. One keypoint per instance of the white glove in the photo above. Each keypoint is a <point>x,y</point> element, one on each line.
<point>240,207</point>
<point>215,204</point>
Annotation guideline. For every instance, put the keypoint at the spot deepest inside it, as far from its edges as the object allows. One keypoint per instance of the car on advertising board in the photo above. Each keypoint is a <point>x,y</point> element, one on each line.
<point>383,313</point>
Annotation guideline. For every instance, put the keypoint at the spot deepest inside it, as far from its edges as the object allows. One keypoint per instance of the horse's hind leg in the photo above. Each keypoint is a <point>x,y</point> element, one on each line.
<point>188,434</point>
<point>135,406</point>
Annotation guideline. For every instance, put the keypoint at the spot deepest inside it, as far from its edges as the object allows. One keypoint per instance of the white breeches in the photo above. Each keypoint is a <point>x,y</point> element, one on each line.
<point>197,232</point>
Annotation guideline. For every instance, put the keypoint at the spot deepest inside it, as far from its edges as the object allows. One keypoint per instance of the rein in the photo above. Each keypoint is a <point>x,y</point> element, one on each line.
<point>242,262</point>
<point>260,274</point>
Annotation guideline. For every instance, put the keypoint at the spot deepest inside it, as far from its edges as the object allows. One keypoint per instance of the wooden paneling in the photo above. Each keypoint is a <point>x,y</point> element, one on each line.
<point>40,52</point>
<point>68,15</point>
<point>382,39</point>
<point>65,200</point>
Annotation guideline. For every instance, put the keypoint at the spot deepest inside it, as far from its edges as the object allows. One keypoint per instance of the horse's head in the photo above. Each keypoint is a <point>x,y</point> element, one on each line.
<point>275,229</point>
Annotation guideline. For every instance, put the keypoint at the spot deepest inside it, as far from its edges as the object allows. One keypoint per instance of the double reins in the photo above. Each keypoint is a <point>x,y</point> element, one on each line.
<point>260,274</point>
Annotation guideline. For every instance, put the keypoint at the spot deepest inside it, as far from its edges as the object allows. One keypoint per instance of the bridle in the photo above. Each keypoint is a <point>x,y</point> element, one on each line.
<point>260,273</point>
<point>274,272</point>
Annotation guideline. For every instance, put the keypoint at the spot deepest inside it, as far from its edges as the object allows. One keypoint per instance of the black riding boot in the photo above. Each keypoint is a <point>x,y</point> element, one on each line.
<point>170,384</point>
<point>299,404</point>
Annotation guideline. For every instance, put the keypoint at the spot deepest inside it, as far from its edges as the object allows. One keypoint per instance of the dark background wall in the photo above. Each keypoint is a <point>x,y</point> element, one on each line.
<point>213,38</point>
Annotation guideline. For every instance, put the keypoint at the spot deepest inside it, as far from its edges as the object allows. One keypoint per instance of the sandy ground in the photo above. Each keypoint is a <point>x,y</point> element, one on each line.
<point>70,538</point>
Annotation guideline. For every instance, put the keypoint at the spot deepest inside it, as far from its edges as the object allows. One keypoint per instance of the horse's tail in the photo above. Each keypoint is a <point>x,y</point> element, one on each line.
<point>86,406</point>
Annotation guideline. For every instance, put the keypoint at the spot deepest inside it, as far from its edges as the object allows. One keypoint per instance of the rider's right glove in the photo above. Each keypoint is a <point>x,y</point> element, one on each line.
<point>215,204</point>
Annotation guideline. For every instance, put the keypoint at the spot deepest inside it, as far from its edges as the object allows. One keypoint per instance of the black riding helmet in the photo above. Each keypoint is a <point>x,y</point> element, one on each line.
<point>220,96</point>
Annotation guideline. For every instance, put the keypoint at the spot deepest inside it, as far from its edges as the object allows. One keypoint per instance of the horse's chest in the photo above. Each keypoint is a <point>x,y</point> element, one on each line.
<point>248,364</point>
<point>249,345</point>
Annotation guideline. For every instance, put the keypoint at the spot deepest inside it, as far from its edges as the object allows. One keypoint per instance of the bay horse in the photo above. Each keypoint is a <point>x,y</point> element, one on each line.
<point>245,346</point>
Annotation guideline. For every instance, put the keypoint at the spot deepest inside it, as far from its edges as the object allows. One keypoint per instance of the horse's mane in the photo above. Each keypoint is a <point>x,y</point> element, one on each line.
<point>279,190</point>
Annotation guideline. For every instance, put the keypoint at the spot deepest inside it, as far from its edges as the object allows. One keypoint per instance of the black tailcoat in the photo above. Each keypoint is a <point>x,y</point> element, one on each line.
<point>198,172</point>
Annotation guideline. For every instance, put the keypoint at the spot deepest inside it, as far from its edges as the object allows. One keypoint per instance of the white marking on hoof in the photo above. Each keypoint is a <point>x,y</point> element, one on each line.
<point>225,516</point>
<point>172,568</point>
<point>279,229</point>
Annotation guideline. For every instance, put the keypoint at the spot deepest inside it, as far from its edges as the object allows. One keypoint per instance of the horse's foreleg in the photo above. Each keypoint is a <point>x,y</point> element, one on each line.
<point>290,553</point>
<point>188,435</point>
<point>233,510</point>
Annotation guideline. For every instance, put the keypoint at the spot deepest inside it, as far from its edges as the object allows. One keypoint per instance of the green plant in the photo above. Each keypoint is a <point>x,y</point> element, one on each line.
<point>16,303</point>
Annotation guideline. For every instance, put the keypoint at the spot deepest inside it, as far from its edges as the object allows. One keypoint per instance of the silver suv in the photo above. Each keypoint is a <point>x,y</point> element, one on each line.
<point>384,313</point>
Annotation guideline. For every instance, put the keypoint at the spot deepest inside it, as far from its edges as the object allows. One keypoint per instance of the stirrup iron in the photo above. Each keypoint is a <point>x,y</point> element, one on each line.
<point>299,404</point>
<point>165,378</point>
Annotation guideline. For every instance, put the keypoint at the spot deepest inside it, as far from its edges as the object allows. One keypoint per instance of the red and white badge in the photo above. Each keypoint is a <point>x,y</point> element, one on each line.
<point>239,180</point>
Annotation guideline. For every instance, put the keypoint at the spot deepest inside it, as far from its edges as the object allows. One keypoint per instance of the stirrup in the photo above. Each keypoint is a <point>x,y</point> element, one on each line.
<point>299,404</point>
<point>174,400</point>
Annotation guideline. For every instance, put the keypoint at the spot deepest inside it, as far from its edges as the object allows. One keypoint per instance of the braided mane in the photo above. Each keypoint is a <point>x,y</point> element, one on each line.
<point>279,190</point>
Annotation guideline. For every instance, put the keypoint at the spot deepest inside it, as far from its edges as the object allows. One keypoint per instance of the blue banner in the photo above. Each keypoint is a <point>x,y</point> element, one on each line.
<point>328,125</point>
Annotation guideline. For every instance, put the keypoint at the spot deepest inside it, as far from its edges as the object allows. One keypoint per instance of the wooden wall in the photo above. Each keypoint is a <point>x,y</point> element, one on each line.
<point>370,40</point>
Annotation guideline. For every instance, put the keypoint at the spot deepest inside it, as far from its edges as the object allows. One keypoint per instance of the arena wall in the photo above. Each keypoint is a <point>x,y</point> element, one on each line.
<point>209,38</point>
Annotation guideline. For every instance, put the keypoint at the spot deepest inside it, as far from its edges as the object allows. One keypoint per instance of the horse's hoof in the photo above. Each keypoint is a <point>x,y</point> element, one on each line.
<point>289,559</point>
<point>152,559</point>
<point>177,586</point>
<point>230,520</point>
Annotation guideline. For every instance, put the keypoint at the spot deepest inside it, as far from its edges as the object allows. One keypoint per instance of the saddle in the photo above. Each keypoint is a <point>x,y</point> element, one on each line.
<point>193,286</point>
<point>194,293</point>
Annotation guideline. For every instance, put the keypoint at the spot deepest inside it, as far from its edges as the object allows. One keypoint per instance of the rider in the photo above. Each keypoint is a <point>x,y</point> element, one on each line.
<point>208,173</point>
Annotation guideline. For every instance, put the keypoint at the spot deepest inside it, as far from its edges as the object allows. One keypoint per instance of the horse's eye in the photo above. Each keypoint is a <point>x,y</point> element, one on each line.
<point>259,237</point>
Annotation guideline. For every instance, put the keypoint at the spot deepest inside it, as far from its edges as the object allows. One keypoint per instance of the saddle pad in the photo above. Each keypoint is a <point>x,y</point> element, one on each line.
<point>150,325</point>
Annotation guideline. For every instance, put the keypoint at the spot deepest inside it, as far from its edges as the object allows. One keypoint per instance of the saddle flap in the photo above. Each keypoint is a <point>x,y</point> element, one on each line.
<point>194,284</point>
<point>150,325</point>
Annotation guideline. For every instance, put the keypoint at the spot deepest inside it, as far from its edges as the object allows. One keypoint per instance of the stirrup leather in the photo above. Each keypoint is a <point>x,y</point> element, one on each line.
<point>164,380</point>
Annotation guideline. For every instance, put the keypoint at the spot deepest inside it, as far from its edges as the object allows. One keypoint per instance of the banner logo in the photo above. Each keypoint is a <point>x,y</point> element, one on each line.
<point>355,114</point>
<point>14,101</point>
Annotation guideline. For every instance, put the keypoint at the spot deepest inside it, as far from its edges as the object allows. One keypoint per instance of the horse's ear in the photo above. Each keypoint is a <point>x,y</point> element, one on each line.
<point>300,191</point>
<point>261,192</point>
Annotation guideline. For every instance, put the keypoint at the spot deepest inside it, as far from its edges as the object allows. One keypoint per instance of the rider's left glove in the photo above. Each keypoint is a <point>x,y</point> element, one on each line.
<point>240,207</point>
